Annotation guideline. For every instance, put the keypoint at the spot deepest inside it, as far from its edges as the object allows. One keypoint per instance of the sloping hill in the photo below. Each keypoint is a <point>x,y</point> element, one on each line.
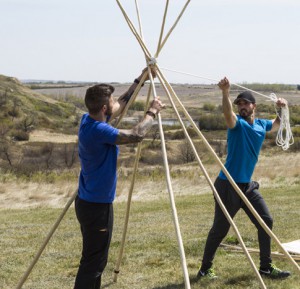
<point>20,104</point>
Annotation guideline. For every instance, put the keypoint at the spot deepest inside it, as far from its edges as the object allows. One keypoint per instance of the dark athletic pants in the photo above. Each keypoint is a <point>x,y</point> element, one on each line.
<point>233,203</point>
<point>96,224</point>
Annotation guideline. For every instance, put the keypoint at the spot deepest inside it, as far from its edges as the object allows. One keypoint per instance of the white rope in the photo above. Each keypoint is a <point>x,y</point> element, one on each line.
<point>284,138</point>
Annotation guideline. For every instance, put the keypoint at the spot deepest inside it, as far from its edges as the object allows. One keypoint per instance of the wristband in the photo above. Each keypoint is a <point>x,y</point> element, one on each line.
<point>150,113</point>
<point>137,82</point>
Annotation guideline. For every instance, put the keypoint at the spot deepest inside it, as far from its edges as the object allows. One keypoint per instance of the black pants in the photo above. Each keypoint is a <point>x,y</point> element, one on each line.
<point>96,224</point>
<point>233,203</point>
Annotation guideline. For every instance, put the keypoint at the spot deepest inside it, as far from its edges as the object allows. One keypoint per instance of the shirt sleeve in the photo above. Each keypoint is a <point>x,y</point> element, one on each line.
<point>105,133</point>
<point>269,125</point>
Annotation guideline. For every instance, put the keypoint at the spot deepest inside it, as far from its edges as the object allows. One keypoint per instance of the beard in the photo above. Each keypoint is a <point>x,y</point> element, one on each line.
<point>246,114</point>
<point>109,110</point>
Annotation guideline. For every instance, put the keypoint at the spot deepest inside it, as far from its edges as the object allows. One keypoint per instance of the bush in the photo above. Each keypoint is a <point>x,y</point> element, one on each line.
<point>295,147</point>
<point>294,119</point>
<point>209,107</point>
<point>212,122</point>
<point>296,131</point>
<point>19,135</point>
<point>179,134</point>
<point>138,106</point>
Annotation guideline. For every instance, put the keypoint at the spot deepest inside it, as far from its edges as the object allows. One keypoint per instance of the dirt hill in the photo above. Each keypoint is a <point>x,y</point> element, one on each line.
<point>21,107</point>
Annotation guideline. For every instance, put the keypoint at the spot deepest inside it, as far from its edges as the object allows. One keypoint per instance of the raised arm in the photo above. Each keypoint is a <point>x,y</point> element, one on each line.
<point>137,133</point>
<point>125,97</point>
<point>281,102</point>
<point>230,117</point>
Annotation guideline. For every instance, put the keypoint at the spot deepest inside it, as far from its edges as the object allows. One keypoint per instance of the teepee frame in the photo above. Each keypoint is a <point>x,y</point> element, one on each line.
<point>171,93</point>
<point>151,61</point>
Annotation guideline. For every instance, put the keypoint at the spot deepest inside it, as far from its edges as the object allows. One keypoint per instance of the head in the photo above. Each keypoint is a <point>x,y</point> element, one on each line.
<point>98,97</point>
<point>246,104</point>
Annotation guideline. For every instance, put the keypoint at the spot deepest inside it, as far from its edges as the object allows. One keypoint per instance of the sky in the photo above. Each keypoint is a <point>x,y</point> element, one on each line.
<point>75,40</point>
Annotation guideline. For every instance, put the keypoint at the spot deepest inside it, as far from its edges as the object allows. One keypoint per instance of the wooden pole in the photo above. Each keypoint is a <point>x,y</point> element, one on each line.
<point>171,194</point>
<point>162,29</point>
<point>172,28</point>
<point>131,100</point>
<point>44,244</point>
<point>167,171</point>
<point>126,221</point>
<point>134,31</point>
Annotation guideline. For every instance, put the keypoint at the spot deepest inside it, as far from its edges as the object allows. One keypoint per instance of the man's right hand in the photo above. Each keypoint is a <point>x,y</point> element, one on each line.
<point>224,84</point>
<point>156,106</point>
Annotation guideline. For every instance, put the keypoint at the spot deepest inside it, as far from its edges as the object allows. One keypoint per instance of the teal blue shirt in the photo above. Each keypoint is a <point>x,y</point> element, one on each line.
<point>244,144</point>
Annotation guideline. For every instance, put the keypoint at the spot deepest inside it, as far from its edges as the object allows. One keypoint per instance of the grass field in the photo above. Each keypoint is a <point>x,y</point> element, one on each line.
<point>30,206</point>
<point>151,258</point>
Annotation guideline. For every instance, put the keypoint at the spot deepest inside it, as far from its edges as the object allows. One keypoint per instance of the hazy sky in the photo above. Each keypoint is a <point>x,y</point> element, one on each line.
<point>248,41</point>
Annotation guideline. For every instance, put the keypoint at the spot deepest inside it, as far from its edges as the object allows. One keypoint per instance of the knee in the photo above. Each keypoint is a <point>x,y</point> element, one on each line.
<point>219,232</point>
<point>269,221</point>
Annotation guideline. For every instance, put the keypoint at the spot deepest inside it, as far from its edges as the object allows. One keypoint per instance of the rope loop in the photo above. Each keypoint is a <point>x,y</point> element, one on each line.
<point>284,137</point>
<point>273,97</point>
<point>152,61</point>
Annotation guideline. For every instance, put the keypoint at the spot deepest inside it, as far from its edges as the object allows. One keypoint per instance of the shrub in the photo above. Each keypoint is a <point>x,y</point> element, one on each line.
<point>296,145</point>
<point>212,122</point>
<point>179,134</point>
<point>19,135</point>
<point>138,106</point>
<point>209,107</point>
<point>296,131</point>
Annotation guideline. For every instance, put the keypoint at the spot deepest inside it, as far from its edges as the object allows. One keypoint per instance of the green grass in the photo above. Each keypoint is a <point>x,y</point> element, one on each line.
<point>151,257</point>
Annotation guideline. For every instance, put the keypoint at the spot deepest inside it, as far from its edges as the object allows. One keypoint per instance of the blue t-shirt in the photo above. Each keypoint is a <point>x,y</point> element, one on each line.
<point>98,157</point>
<point>244,144</point>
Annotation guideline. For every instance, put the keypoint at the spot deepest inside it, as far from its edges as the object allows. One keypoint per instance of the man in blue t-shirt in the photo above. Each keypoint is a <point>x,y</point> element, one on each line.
<point>245,136</point>
<point>98,152</point>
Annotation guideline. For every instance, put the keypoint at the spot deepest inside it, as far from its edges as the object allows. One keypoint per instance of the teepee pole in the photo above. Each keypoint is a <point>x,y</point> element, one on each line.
<point>171,193</point>
<point>134,31</point>
<point>218,199</point>
<point>162,29</point>
<point>131,100</point>
<point>126,221</point>
<point>172,28</point>
<point>167,171</point>
<point>46,241</point>
<point>232,182</point>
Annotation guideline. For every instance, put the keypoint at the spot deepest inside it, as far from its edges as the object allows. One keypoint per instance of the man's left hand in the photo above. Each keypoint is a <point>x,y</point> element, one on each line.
<point>281,102</point>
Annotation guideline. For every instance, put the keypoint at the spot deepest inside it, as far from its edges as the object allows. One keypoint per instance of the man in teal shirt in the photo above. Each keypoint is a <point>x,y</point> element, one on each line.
<point>245,137</point>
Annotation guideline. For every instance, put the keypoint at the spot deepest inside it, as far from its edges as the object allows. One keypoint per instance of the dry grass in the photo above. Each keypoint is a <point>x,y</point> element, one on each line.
<point>51,137</point>
<point>277,170</point>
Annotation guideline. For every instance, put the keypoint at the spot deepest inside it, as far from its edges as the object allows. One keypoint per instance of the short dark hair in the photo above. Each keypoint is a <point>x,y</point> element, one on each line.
<point>96,96</point>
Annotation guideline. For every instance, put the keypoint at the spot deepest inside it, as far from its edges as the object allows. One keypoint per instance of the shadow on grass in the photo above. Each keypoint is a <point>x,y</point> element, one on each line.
<point>108,284</point>
<point>178,286</point>
<point>241,279</point>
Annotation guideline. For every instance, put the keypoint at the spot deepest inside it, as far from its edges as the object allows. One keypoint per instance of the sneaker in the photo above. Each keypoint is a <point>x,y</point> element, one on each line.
<point>209,274</point>
<point>274,272</point>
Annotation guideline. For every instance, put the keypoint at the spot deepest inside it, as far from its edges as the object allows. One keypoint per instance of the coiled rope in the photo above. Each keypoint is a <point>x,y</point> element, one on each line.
<point>284,138</point>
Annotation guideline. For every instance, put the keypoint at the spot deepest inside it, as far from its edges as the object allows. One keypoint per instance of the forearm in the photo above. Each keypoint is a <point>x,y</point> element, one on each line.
<point>226,103</point>
<point>120,104</point>
<point>136,134</point>
<point>125,97</point>
<point>229,115</point>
